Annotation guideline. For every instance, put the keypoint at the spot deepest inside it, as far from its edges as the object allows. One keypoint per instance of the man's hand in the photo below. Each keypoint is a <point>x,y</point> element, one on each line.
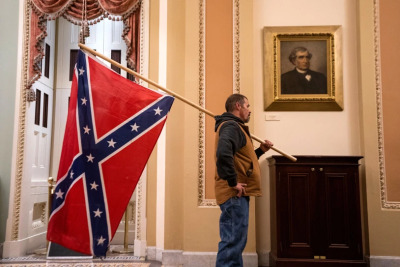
<point>266,145</point>
<point>240,187</point>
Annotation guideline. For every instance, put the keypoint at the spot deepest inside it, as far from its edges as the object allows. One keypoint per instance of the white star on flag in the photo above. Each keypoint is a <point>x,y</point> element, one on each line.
<point>101,240</point>
<point>111,143</point>
<point>94,186</point>
<point>81,71</point>
<point>87,129</point>
<point>158,111</point>
<point>103,182</point>
<point>71,175</point>
<point>135,127</point>
<point>97,213</point>
<point>59,194</point>
<point>90,158</point>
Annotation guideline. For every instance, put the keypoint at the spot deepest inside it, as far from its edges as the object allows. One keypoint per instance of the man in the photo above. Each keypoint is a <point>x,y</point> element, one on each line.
<point>237,177</point>
<point>302,80</point>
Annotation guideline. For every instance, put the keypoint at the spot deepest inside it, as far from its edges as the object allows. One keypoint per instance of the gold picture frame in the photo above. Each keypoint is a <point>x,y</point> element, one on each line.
<point>322,90</point>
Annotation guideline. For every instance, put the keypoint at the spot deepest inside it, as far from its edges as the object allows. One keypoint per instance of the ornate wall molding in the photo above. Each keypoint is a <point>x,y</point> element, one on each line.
<point>21,131</point>
<point>236,46</point>
<point>202,201</point>
<point>139,187</point>
<point>378,85</point>
<point>141,35</point>
<point>139,210</point>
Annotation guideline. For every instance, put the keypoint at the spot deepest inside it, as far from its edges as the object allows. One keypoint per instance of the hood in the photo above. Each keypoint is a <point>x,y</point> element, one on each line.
<point>226,116</point>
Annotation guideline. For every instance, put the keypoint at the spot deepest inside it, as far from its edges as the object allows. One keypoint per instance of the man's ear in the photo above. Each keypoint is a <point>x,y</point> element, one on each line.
<point>237,105</point>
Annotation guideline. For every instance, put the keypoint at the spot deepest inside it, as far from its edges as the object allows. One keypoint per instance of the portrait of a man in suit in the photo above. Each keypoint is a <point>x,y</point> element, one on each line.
<point>301,79</point>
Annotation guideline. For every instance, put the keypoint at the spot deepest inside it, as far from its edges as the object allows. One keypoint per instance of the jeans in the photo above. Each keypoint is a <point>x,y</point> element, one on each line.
<point>233,225</point>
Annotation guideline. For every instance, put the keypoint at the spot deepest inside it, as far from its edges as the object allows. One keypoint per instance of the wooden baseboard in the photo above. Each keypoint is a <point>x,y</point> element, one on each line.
<point>287,262</point>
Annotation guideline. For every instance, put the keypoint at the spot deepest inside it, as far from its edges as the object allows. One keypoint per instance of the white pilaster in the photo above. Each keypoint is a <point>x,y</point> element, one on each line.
<point>162,79</point>
<point>140,243</point>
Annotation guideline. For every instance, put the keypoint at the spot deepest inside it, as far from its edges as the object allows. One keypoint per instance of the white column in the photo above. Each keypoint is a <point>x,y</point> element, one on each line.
<point>16,230</point>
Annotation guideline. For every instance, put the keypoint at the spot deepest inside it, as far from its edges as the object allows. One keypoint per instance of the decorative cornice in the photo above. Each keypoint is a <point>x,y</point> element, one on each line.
<point>378,85</point>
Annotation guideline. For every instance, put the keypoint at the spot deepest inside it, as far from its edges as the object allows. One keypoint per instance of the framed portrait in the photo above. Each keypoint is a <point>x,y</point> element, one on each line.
<point>303,68</point>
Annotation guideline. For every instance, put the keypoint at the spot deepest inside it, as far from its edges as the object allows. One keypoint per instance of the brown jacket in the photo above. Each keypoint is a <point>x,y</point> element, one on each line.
<point>246,167</point>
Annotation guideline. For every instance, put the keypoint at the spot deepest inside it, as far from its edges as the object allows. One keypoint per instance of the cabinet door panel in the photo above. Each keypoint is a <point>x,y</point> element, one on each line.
<point>343,235</point>
<point>295,220</point>
<point>337,212</point>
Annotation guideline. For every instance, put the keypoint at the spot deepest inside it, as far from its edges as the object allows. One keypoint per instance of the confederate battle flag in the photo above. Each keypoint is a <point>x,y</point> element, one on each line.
<point>112,127</point>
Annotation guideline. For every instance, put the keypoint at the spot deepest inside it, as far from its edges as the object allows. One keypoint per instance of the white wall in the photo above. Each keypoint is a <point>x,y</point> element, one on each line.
<point>305,133</point>
<point>310,133</point>
<point>8,77</point>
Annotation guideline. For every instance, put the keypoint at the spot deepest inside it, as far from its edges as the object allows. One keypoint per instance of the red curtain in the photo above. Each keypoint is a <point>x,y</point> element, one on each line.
<point>94,11</point>
<point>38,33</point>
<point>131,38</point>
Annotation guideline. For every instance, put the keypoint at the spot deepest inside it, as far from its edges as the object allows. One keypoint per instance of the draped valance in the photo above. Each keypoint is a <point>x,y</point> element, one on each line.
<point>83,13</point>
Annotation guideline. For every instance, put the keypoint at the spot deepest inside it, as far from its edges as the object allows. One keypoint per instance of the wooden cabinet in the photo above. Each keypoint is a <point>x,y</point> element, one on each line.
<point>315,211</point>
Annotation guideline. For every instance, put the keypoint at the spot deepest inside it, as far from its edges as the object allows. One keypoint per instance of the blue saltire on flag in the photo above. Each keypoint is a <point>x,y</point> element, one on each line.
<point>112,127</point>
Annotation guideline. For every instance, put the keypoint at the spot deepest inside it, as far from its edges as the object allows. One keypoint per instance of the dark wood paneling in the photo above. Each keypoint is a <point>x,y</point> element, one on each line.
<point>315,212</point>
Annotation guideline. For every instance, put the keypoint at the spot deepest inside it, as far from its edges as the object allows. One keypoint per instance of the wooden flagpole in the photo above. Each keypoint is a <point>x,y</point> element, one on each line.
<point>84,47</point>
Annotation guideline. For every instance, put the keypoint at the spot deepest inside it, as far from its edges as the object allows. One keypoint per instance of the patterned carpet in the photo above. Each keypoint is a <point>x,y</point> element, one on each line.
<point>78,264</point>
<point>74,263</point>
<point>121,261</point>
<point>112,260</point>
